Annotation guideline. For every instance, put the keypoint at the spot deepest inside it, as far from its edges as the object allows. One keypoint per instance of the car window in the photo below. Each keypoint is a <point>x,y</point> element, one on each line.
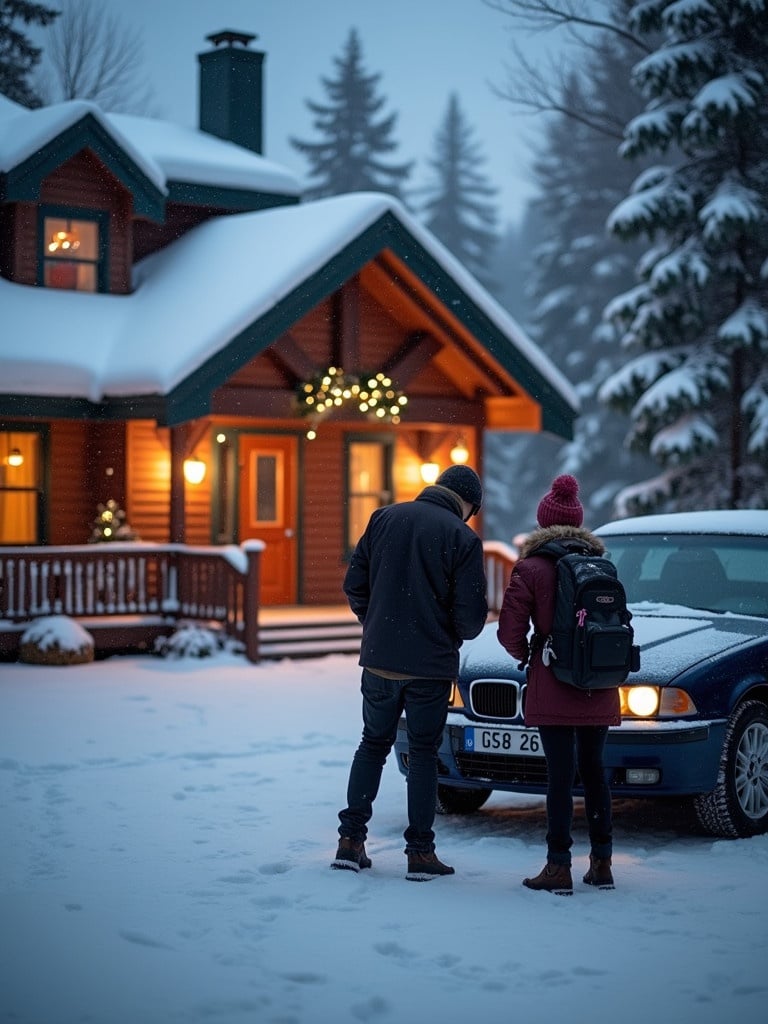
<point>706,572</point>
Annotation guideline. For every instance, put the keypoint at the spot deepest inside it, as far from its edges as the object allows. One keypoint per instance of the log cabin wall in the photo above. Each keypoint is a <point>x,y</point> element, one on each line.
<point>147,503</point>
<point>22,237</point>
<point>71,508</point>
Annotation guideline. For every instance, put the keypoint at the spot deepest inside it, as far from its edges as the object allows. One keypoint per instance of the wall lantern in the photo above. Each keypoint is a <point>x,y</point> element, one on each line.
<point>459,452</point>
<point>194,470</point>
<point>14,458</point>
<point>430,471</point>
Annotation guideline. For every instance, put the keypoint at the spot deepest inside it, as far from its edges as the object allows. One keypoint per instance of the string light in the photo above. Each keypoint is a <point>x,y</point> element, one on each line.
<point>375,396</point>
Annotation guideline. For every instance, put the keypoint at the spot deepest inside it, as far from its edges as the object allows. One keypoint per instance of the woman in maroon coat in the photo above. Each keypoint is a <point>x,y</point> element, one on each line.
<point>573,724</point>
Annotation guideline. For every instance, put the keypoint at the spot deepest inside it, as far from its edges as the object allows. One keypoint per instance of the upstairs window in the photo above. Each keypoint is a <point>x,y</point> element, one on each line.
<point>73,249</point>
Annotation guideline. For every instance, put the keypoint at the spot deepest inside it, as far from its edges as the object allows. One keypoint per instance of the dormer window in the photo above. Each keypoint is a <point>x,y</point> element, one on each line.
<point>73,248</point>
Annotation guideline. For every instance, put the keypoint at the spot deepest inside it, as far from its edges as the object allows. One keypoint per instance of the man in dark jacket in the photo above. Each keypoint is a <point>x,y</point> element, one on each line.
<point>416,582</point>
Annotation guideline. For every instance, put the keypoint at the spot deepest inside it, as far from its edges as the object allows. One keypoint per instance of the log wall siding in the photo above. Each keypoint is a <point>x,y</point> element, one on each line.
<point>322,493</point>
<point>148,495</point>
<point>149,237</point>
<point>23,243</point>
<point>71,506</point>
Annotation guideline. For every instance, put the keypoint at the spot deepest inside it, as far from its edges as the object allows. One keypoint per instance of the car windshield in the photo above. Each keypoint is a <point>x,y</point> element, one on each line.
<point>711,572</point>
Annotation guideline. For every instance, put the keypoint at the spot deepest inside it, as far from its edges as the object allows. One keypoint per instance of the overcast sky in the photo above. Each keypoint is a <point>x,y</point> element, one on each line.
<point>424,49</point>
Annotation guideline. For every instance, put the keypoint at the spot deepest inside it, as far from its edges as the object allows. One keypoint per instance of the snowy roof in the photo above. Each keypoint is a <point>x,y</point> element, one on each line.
<point>725,521</point>
<point>164,151</point>
<point>194,299</point>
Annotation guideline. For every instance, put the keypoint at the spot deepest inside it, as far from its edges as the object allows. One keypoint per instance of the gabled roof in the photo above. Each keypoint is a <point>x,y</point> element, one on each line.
<point>224,292</point>
<point>154,159</point>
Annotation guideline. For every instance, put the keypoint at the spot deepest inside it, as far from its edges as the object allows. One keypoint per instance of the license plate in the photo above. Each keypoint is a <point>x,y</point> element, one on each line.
<point>522,742</point>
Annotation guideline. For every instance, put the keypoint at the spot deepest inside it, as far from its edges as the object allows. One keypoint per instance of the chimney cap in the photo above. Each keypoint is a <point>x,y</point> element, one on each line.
<point>230,37</point>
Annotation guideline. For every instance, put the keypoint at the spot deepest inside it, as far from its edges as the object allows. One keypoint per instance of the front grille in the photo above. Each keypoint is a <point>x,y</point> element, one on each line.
<point>531,771</point>
<point>498,699</point>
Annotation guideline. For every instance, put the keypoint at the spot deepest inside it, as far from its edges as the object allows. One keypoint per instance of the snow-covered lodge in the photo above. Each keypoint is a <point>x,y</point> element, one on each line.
<point>179,332</point>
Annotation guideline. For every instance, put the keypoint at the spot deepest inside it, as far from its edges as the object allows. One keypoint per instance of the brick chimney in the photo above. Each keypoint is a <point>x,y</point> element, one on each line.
<point>231,89</point>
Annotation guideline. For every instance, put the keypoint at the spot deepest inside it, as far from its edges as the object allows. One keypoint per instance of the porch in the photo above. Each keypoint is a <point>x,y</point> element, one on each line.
<point>128,594</point>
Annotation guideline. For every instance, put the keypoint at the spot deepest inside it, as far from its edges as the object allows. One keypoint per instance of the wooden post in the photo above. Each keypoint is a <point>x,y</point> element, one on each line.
<point>253,549</point>
<point>178,529</point>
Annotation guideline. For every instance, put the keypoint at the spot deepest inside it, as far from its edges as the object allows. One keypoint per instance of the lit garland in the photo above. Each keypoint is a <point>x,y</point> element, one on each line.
<point>374,395</point>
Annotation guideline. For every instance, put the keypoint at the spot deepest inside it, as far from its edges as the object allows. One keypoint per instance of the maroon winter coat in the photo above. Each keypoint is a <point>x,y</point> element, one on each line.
<point>530,598</point>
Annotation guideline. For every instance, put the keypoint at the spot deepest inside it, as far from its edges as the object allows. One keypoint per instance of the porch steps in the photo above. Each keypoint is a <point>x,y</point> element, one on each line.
<point>307,632</point>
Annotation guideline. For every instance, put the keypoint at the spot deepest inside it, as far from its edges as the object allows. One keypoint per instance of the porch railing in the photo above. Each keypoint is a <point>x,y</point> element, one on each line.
<point>499,560</point>
<point>136,580</point>
<point>145,586</point>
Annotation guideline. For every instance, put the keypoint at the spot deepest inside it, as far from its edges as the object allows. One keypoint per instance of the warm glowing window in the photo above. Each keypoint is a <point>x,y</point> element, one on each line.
<point>72,250</point>
<point>20,487</point>
<point>368,484</point>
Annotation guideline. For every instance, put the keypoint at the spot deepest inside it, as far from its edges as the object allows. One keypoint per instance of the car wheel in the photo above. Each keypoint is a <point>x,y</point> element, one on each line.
<point>738,805</point>
<point>460,801</point>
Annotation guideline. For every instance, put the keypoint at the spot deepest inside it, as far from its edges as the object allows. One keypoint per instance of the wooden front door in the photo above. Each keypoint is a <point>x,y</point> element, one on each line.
<point>268,510</point>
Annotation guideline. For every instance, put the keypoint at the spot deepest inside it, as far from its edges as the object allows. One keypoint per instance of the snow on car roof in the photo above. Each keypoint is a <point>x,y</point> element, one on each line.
<point>743,521</point>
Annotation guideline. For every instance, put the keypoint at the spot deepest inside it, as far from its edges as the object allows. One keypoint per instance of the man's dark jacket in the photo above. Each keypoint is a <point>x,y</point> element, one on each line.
<point>416,581</point>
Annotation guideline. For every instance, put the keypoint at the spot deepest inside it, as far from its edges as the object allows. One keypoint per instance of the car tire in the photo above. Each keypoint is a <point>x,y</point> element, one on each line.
<point>451,800</point>
<point>738,805</point>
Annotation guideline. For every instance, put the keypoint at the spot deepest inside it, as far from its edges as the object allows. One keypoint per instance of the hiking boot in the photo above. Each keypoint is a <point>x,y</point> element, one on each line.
<point>422,867</point>
<point>351,855</point>
<point>554,878</point>
<point>599,873</point>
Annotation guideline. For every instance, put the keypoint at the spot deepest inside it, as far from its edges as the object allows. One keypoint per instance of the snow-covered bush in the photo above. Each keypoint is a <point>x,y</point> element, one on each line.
<point>192,641</point>
<point>56,640</point>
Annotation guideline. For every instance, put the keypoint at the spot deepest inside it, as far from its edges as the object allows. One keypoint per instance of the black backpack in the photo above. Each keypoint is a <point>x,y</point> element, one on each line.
<point>591,644</point>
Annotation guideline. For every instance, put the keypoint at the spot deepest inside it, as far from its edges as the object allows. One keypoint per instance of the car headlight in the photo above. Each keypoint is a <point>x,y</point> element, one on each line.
<point>655,702</point>
<point>455,701</point>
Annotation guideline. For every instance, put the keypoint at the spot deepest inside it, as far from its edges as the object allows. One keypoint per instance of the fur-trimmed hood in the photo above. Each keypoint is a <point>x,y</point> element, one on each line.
<point>542,535</point>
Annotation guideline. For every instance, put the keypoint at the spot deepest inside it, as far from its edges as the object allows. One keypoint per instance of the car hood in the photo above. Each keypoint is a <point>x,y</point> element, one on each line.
<point>672,639</point>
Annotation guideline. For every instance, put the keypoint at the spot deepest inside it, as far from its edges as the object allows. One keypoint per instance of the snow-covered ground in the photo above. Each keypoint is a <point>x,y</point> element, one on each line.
<point>167,828</point>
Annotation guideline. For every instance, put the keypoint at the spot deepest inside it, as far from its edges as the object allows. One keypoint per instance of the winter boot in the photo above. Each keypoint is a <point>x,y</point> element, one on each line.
<point>599,873</point>
<point>422,867</point>
<point>554,878</point>
<point>351,855</point>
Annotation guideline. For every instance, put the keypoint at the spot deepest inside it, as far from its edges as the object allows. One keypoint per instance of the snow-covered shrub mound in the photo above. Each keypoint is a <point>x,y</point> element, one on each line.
<point>191,641</point>
<point>56,640</point>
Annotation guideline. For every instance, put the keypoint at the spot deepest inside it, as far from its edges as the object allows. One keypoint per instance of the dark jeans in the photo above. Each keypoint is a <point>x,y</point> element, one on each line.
<point>566,747</point>
<point>425,702</point>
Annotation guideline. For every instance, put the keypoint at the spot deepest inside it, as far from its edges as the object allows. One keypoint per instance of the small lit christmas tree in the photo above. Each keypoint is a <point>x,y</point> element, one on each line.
<point>110,524</point>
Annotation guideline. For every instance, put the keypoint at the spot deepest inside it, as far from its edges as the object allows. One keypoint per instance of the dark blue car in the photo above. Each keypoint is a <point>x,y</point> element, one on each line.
<point>694,718</point>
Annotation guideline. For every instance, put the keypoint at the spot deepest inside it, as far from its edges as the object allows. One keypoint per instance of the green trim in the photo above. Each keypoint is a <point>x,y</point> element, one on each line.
<point>55,407</point>
<point>226,198</point>
<point>23,181</point>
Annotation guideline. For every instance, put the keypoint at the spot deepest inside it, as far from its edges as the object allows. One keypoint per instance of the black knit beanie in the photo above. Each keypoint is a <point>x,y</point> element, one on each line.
<point>465,482</point>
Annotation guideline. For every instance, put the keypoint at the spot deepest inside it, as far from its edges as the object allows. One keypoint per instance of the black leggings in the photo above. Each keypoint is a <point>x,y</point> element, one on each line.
<point>566,747</point>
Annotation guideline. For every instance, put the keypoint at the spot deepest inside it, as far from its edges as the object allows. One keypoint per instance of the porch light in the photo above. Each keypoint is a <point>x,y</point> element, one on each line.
<point>430,471</point>
<point>194,470</point>
<point>64,241</point>
<point>14,458</point>
<point>459,452</point>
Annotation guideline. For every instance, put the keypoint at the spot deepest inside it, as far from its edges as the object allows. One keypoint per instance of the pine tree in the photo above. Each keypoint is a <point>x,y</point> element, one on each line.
<point>111,524</point>
<point>18,57</point>
<point>458,210</point>
<point>349,156</point>
<point>574,269</point>
<point>696,325</point>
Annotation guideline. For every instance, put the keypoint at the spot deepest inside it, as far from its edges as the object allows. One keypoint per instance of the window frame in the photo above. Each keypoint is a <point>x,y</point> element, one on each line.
<point>387,444</point>
<point>99,217</point>
<point>42,488</point>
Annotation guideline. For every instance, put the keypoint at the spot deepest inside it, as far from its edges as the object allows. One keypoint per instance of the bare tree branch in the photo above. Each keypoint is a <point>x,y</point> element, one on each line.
<point>93,55</point>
